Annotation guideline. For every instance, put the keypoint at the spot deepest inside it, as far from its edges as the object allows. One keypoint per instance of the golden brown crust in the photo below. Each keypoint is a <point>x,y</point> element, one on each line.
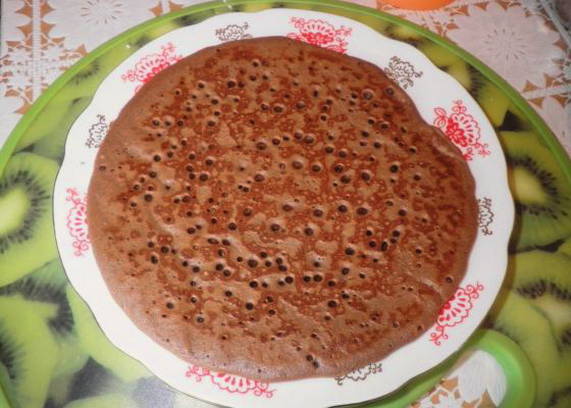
<point>279,211</point>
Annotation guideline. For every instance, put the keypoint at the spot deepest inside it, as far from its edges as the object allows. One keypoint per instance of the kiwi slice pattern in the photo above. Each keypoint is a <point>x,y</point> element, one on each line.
<point>47,285</point>
<point>43,322</point>
<point>541,189</point>
<point>26,225</point>
<point>549,292</point>
<point>28,351</point>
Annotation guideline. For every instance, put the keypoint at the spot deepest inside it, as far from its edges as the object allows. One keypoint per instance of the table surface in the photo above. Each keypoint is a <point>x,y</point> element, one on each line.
<point>522,40</point>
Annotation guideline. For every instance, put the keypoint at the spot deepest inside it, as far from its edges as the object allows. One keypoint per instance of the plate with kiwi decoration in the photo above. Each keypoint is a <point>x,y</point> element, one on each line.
<point>533,308</point>
<point>410,83</point>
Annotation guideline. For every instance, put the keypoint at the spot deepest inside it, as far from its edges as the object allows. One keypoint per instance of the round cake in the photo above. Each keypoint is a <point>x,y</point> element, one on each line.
<point>279,211</point>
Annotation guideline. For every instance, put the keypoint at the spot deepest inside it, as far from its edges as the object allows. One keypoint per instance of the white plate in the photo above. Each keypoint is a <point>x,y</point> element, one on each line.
<point>439,99</point>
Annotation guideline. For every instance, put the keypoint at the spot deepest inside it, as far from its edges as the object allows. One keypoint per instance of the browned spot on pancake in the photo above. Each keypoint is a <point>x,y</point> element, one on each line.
<point>286,226</point>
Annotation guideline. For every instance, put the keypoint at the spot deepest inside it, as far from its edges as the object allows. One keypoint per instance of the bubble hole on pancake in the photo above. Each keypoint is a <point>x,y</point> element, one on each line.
<point>279,211</point>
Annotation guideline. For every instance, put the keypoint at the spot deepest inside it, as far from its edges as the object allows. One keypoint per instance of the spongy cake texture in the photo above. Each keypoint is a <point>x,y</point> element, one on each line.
<point>279,211</point>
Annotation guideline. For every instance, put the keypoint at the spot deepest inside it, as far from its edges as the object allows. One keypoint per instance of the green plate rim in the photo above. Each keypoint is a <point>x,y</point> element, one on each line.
<point>520,377</point>
<point>536,121</point>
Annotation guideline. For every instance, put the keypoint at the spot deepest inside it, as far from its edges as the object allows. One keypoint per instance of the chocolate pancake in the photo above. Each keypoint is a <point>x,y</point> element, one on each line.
<point>279,211</point>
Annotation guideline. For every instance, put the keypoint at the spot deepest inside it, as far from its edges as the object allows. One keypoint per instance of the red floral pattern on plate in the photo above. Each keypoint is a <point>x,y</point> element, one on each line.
<point>150,65</point>
<point>230,383</point>
<point>77,221</point>
<point>455,311</point>
<point>462,129</point>
<point>320,32</point>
